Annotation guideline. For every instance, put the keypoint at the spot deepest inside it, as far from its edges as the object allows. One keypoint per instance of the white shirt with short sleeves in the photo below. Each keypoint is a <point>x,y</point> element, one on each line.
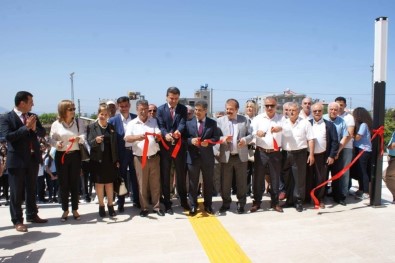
<point>295,135</point>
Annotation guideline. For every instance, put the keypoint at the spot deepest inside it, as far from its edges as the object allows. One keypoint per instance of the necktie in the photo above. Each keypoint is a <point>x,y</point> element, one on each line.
<point>200,129</point>
<point>24,118</point>
<point>172,113</point>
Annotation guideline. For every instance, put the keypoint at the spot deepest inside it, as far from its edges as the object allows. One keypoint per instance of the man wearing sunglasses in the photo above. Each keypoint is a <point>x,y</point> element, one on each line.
<point>152,110</point>
<point>266,128</point>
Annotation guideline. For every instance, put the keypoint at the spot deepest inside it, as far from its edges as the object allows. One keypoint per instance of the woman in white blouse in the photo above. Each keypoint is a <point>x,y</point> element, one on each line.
<point>66,133</point>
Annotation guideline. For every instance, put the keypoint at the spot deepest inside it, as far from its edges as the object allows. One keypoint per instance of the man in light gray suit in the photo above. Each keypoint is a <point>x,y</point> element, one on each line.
<point>234,154</point>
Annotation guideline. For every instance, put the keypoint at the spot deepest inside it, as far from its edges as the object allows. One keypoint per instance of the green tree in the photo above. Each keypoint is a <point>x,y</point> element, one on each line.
<point>389,125</point>
<point>48,118</point>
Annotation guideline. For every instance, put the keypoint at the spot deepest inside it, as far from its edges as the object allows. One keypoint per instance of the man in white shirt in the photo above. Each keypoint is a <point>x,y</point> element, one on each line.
<point>148,176</point>
<point>297,137</point>
<point>266,128</point>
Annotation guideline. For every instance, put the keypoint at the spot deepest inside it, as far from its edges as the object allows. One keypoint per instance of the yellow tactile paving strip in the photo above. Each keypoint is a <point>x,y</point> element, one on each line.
<point>216,241</point>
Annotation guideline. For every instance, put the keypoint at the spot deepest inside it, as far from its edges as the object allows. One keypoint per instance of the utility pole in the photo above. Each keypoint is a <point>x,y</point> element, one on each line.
<point>72,86</point>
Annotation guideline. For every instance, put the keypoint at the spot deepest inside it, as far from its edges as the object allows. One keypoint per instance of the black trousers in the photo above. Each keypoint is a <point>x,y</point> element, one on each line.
<point>22,183</point>
<point>207,169</point>
<point>316,175</point>
<point>180,167</point>
<point>274,161</point>
<point>69,176</point>
<point>295,176</point>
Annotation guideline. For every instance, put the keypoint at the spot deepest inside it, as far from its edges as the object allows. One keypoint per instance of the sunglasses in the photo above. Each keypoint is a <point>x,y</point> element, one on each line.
<point>151,110</point>
<point>71,109</point>
<point>317,111</point>
<point>270,106</point>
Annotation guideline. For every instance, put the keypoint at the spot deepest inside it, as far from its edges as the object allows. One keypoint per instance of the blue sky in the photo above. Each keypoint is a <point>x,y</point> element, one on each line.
<point>241,49</point>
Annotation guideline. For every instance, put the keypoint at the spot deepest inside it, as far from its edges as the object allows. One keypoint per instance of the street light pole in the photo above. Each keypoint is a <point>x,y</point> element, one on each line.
<point>72,86</point>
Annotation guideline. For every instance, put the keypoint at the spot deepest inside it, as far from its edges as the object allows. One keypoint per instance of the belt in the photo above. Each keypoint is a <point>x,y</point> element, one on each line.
<point>267,150</point>
<point>129,148</point>
<point>234,154</point>
<point>149,157</point>
<point>298,151</point>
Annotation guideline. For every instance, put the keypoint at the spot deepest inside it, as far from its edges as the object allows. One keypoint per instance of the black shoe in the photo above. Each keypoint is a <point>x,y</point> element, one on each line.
<point>209,210</point>
<point>136,205</point>
<point>223,209</point>
<point>144,213</point>
<point>240,209</point>
<point>102,211</point>
<point>169,211</point>
<point>342,202</point>
<point>193,211</point>
<point>299,207</point>
<point>88,199</point>
<point>111,211</point>
<point>160,212</point>
<point>121,209</point>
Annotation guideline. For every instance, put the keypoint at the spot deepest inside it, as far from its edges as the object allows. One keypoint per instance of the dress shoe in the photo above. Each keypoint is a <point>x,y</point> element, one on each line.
<point>21,228</point>
<point>299,207</point>
<point>169,211</point>
<point>185,205</point>
<point>240,209</point>
<point>76,215</point>
<point>223,209</point>
<point>209,210</point>
<point>160,212</point>
<point>342,202</point>
<point>102,211</point>
<point>121,208</point>
<point>144,213</point>
<point>193,211</point>
<point>37,219</point>
<point>277,208</point>
<point>282,196</point>
<point>255,206</point>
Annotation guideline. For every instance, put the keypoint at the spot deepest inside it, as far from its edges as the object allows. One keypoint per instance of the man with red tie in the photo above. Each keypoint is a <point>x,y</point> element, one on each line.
<point>21,128</point>
<point>172,118</point>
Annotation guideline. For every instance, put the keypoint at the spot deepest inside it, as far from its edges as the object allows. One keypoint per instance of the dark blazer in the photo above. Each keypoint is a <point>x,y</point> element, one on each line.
<point>116,121</point>
<point>332,141</point>
<point>19,139</point>
<point>210,131</point>
<point>96,153</point>
<point>167,125</point>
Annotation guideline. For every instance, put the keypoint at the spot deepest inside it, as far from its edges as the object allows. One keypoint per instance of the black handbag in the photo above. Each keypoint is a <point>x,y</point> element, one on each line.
<point>83,150</point>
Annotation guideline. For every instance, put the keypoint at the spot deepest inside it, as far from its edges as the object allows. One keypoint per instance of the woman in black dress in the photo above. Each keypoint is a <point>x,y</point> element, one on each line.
<point>104,158</point>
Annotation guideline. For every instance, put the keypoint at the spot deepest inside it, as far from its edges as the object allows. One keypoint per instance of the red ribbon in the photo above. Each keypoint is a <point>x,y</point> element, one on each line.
<point>379,132</point>
<point>146,144</point>
<point>275,145</point>
<point>72,140</point>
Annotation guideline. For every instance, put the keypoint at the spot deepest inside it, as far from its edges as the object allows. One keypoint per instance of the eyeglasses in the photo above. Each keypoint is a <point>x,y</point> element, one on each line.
<point>270,106</point>
<point>71,109</point>
<point>317,111</point>
<point>151,110</point>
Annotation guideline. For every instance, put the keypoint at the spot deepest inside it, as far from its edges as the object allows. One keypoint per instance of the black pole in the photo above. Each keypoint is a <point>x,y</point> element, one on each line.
<point>377,158</point>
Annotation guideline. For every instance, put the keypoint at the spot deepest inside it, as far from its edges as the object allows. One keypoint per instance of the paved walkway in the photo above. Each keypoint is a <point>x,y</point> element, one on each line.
<point>352,233</point>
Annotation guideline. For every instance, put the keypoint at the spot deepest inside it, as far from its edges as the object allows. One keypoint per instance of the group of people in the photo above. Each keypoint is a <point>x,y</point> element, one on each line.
<point>296,150</point>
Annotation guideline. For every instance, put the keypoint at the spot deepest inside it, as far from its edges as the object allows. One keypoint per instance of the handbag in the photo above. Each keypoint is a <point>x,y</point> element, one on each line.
<point>84,152</point>
<point>119,186</point>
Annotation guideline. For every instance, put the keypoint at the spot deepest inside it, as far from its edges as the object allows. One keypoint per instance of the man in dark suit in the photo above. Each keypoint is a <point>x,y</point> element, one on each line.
<point>326,146</point>
<point>21,128</point>
<point>200,156</point>
<point>172,118</point>
<point>125,152</point>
